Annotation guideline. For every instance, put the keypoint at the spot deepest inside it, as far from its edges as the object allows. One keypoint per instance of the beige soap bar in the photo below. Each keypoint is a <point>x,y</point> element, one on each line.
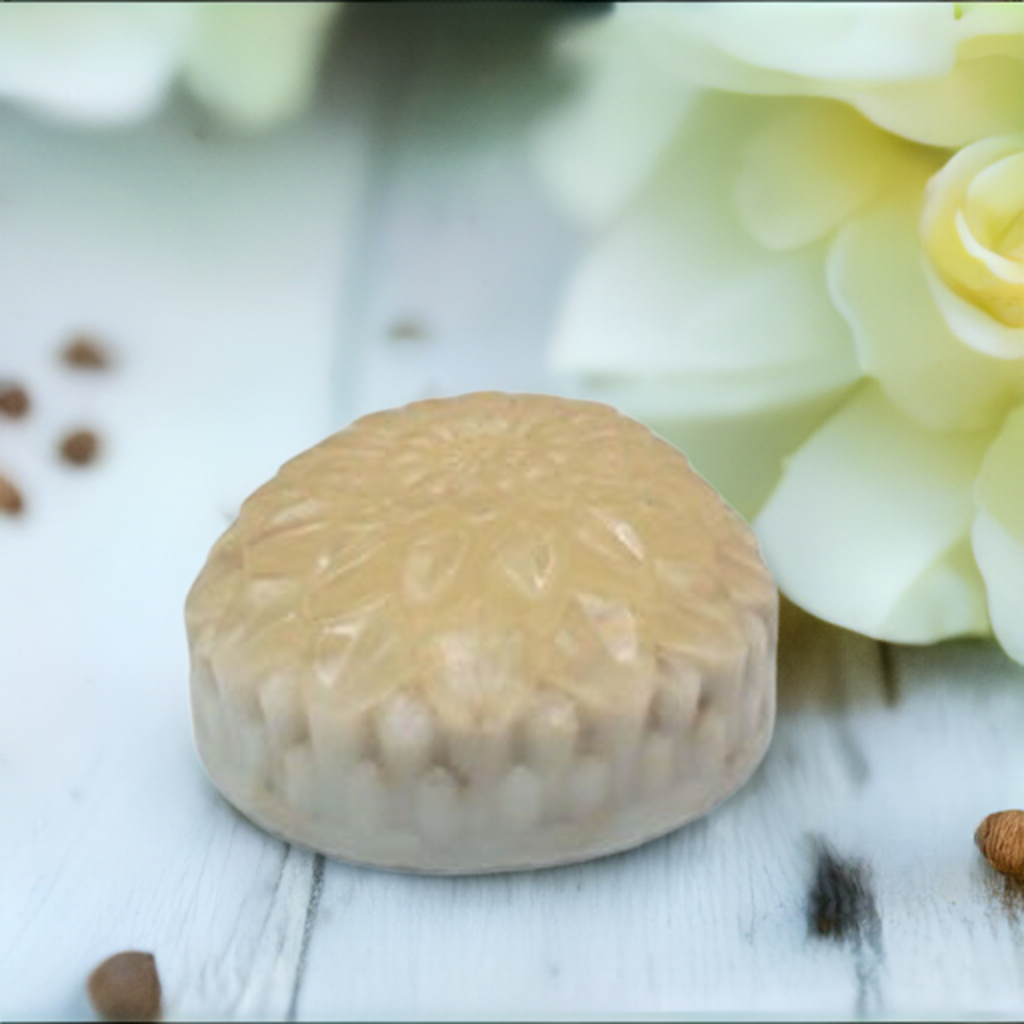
<point>483,633</point>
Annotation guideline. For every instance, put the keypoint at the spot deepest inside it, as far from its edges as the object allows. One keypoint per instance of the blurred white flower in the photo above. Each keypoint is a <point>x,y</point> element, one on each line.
<point>937,73</point>
<point>827,318</point>
<point>107,63</point>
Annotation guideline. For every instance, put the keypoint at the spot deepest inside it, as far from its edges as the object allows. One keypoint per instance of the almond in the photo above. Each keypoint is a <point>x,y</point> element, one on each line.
<point>80,448</point>
<point>1000,837</point>
<point>85,353</point>
<point>14,401</point>
<point>126,986</point>
<point>11,501</point>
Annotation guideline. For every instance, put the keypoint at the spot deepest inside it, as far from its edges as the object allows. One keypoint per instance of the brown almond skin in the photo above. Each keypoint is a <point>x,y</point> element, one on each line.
<point>85,353</point>
<point>80,448</point>
<point>12,503</point>
<point>126,987</point>
<point>14,401</point>
<point>1000,837</point>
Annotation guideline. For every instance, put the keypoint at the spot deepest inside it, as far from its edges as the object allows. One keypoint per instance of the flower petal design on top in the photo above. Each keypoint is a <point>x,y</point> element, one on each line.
<point>809,168</point>
<point>485,691</point>
<point>256,63</point>
<point>785,48</point>
<point>101,62</point>
<point>998,533</point>
<point>877,281</point>
<point>870,507</point>
<point>597,150</point>
<point>738,327</point>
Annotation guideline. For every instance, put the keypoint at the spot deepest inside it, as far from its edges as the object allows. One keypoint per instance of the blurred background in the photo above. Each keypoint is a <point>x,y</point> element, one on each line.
<point>261,287</point>
<point>254,286</point>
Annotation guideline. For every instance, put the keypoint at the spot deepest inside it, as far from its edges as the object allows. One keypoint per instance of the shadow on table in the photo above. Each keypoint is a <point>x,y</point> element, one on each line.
<point>821,666</point>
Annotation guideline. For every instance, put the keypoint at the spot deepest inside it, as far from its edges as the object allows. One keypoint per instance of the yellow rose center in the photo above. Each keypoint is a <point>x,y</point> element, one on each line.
<point>973,227</point>
<point>1011,244</point>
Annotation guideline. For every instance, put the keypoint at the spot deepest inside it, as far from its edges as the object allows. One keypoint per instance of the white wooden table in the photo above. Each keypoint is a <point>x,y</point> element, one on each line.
<point>253,291</point>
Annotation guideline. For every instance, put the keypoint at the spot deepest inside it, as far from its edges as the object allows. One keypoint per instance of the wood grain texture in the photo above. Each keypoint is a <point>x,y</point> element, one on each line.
<point>843,881</point>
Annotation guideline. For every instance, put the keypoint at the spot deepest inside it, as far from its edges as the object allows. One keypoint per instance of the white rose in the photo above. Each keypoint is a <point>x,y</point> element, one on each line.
<point>917,482</point>
<point>937,73</point>
<point>254,64</point>
<point>827,319</point>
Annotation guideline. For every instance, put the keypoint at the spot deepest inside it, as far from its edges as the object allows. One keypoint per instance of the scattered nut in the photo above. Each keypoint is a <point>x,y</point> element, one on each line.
<point>80,448</point>
<point>11,501</point>
<point>126,986</point>
<point>14,401</point>
<point>85,353</point>
<point>1000,837</point>
<point>408,328</point>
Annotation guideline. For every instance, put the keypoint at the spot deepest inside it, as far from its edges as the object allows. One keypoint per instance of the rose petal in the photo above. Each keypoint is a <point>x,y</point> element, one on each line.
<point>854,42</point>
<point>768,337</point>
<point>985,28</point>
<point>596,151</point>
<point>995,201</point>
<point>1001,560</point>
<point>948,188</point>
<point>877,281</point>
<point>1000,486</point>
<point>101,62</point>
<point>808,169</point>
<point>1008,270</point>
<point>679,288</point>
<point>974,326</point>
<point>256,63</point>
<point>869,509</point>
<point>686,53</point>
<point>945,195</point>
<point>983,95</point>
<point>947,599</point>
<point>979,98</point>
<point>998,533</point>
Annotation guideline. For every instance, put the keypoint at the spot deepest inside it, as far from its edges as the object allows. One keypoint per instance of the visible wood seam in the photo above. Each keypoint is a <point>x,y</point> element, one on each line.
<point>315,891</point>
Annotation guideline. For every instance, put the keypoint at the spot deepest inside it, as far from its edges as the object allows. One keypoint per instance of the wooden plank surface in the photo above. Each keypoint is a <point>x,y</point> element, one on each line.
<point>841,882</point>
